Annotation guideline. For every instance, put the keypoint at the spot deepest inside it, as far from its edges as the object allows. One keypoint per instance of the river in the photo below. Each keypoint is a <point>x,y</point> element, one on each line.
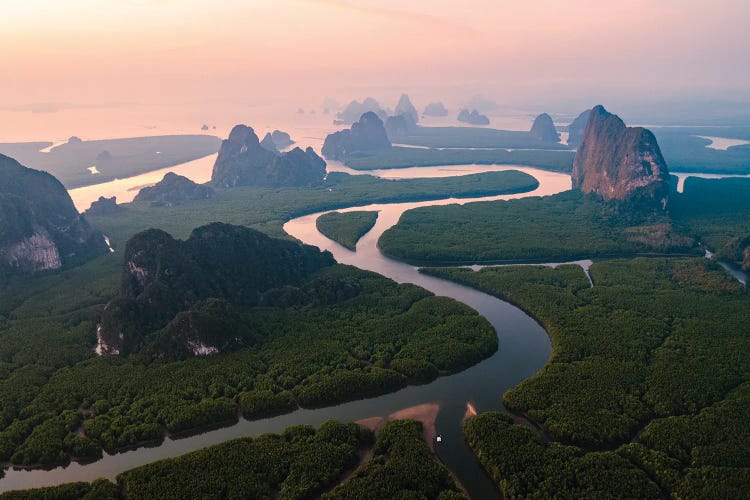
<point>524,348</point>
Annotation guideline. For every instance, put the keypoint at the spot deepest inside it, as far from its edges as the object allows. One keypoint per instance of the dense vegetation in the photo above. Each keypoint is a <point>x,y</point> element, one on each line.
<point>646,388</point>
<point>267,208</point>
<point>401,466</point>
<point>399,157</point>
<point>565,226</point>
<point>301,462</point>
<point>183,298</point>
<point>343,334</point>
<point>298,463</point>
<point>346,228</point>
<point>474,137</point>
<point>718,213</point>
<point>685,151</point>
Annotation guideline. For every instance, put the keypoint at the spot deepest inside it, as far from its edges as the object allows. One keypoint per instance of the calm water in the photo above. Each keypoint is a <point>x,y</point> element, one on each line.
<point>524,348</point>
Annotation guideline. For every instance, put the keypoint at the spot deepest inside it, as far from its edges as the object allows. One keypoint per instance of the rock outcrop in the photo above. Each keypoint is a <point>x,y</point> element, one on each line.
<point>405,107</point>
<point>473,117</point>
<point>576,128</point>
<point>268,144</point>
<point>435,109</point>
<point>40,228</point>
<point>104,206</point>
<point>544,129</point>
<point>186,298</point>
<point>617,162</point>
<point>366,135</point>
<point>355,109</point>
<point>174,189</point>
<point>276,141</point>
<point>242,161</point>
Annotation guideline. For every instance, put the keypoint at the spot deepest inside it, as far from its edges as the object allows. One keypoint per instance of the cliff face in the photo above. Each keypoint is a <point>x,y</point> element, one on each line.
<point>544,129</point>
<point>174,189</point>
<point>40,228</point>
<point>178,297</point>
<point>368,134</point>
<point>405,107</point>
<point>576,128</point>
<point>618,162</point>
<point>242,161</point>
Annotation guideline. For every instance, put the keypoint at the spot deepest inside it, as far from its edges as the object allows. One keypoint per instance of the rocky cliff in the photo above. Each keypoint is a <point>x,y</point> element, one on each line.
<point>543,129</point>
<point>242,161</point>
<point>40,228</point>
<point>405,107</point>
<point>174,189</point>
<point>617,162</point>
<point>368,134</point>
<point>184,298</point>
<point>576,128</point>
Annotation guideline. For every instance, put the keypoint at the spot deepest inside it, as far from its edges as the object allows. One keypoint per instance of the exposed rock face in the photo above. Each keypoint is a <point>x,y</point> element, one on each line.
<point>174,189</point>
<point>276,141</point>
<point>268,144</point>
<point>435,109</point>
<point>104,206</point>
<point>185,298</point>
<point>544,129</point>
<point>473,117</point>
<point>355,109</point>
<point>40,229</point>
<point>242,161</point>
<point>576,128</point>
<point>405,107</point>
<point>368,134</point>
<point>282,140</point>
<point>618,162</point>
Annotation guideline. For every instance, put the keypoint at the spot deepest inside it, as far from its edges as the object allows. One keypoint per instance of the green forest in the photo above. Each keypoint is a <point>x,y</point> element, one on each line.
<point>346,228</point>
<point>335,461</point>
<point>400,157</point>
<point>565,226</point>
<point>646,390</point>
<point>60,401</point>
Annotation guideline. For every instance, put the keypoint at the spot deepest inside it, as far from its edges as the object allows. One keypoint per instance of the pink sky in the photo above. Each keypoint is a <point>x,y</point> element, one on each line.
<point>89,52</point>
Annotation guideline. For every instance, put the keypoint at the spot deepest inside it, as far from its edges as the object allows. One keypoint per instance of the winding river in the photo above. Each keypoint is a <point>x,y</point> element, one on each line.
<point>524,348</point>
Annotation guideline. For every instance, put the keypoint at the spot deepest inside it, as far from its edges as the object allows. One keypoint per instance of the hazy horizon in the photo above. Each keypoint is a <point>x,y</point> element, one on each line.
<point>86,53</point>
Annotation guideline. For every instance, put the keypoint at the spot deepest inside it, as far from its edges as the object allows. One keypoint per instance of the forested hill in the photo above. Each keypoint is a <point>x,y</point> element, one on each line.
<point>163,277</point>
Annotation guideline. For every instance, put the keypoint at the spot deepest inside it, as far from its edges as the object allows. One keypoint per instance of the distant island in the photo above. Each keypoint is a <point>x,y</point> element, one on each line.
<point>367,134</point>
<point>113,158</point>
<point>472,117</point>
<point>543,129</point>
<point>242,161</point>
<point>435,109</point>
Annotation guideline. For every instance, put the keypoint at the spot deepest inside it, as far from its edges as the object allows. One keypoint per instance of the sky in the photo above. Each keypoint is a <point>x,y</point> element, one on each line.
<point>116,52</point>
